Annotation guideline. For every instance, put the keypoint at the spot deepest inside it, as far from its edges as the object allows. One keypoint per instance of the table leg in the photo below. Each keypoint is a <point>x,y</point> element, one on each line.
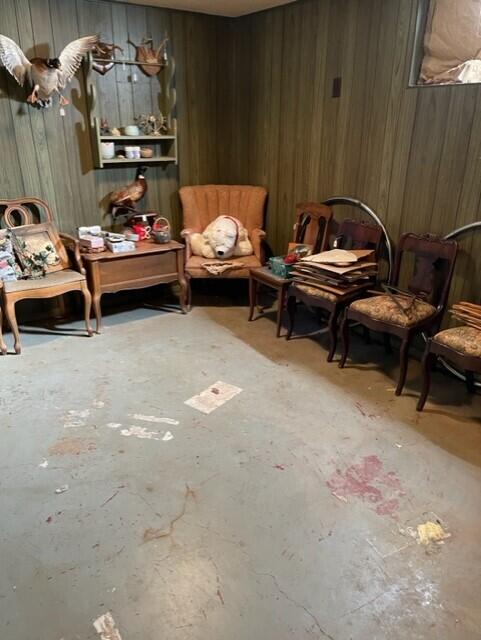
<point>184,286</point>
<point>281,302</point>
<point>3,346</point>
<point>252,296</point>
<point>97,310</point>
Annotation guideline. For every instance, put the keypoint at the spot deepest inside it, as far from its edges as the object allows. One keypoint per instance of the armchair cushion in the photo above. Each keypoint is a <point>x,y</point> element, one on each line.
<point>66,276</point>
<point>384,309</point>
<point>464,340</point>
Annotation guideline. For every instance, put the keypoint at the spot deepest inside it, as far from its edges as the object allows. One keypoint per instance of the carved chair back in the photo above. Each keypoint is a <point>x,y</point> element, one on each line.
<point>355,234</point>
<point>426,262</point>
<point>312,225</point>
<point>24,211</point>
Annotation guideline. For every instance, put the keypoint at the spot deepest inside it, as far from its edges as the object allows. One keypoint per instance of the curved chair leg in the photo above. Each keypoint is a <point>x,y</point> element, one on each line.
<point>332,327</point>
<point>12,321</point>
<point>291,310</point>
<point>345,341</point>
<point>87,307</point>
<point>252,296</point>
<point>429,361</point>
<point>403,364</point>
<point>3,346</point>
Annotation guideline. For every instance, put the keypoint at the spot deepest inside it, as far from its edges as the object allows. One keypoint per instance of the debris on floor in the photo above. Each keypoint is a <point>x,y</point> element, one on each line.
<point>139,416</point>
<point>76,418</point>
<point>71,447</point>
<point>105,626</point>
<point>98,404</point>
<point>431,532</point>
<point>43,464</point>
<point>213,397</point>
<point>140,432</point>
<point>167,436</point>
<point>369,482</point>
<point>62,489</point>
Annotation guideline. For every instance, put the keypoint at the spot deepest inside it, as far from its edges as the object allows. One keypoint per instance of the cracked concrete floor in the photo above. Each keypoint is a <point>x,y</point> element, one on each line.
<point>286,513</point>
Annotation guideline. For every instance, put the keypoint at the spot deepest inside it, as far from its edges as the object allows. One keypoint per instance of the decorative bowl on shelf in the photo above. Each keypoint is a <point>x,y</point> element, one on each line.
<point>146,152</point>
<point>131,130</point>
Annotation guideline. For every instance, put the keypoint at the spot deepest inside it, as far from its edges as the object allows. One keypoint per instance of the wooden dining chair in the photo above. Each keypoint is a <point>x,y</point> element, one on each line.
<point>353,235</point>
<point>460,346</point>
<point>70,276</point>
<point>426,263</point>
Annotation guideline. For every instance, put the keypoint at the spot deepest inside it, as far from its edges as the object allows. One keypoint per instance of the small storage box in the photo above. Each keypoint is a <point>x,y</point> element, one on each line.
<point>279,267</point>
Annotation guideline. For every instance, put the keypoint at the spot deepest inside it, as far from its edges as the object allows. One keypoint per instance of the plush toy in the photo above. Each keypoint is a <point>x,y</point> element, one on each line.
<point>223,238</point>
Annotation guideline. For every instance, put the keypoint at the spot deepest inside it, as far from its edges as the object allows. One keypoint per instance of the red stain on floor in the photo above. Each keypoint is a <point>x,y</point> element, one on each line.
<point>369,482</point>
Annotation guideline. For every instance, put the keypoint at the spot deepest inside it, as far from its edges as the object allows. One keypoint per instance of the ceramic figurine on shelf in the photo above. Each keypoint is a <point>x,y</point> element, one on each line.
<point>152,125</point>
<point>104,127</point>
<point>125,199</point>
<point>151,60</point>
<point>45,76</point>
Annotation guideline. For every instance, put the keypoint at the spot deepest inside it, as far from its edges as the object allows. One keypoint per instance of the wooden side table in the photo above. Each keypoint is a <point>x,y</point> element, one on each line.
<point>148,265</point>
<point>264,275</point>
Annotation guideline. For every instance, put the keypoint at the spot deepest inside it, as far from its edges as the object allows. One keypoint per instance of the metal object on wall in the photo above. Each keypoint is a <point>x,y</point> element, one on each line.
<point>361,205</point>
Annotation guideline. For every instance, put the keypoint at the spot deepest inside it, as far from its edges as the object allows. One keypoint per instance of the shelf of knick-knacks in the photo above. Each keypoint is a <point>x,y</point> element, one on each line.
<point>164,144</point>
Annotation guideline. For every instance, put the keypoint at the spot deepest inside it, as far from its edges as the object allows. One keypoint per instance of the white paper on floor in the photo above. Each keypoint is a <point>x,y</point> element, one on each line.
<point>106,628</point>
<point>167,436</point>
<point>139,416</point>
<point>214,397</point>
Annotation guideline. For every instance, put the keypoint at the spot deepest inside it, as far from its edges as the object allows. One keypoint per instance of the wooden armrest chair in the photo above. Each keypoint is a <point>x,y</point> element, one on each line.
<point>28,211</point>
<point>353,235</point>
<point>427,263</point>
<point>462,347</point>
<point>204,203</point>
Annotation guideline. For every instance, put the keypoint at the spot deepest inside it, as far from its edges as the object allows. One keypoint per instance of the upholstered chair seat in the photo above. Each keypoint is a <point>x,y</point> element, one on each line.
<point>385,309</point>
<point>464,340</point>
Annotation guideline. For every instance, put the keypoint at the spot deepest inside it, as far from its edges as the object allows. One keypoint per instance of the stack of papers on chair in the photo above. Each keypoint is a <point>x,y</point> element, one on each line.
<point>337,271</point>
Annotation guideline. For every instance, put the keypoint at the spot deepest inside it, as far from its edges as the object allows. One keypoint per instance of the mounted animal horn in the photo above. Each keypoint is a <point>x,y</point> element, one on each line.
<point>151,61</point>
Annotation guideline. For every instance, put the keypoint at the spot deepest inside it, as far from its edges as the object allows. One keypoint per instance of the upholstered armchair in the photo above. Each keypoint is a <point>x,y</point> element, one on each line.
<point>204,203</point>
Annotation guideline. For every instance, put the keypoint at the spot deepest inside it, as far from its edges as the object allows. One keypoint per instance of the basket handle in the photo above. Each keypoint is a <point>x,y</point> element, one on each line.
<point>158,222</point>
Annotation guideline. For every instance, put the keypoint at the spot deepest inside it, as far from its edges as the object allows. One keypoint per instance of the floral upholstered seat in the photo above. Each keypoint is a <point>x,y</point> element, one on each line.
<point>316,292</point>
<point>385,309</point>
<point>464,340</point>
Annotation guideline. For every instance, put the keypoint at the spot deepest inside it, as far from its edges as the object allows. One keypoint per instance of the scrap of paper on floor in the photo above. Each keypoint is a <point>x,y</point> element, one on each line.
<point>213,397</point>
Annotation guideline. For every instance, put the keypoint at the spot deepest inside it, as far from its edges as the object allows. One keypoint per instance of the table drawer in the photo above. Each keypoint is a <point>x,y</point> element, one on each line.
<point>135,268</point>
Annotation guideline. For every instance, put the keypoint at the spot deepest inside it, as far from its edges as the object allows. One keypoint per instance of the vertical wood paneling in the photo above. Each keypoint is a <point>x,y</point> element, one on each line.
<point>49,156</point>
<point>411,154</point>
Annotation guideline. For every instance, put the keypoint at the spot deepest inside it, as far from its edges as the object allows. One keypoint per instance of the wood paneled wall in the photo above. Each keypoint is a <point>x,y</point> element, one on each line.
<point>412,154</point>
<point>49,156</point>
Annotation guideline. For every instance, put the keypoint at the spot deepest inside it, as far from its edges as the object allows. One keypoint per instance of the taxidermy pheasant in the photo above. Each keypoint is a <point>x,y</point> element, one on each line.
<point>127,197</point>
<point>46,76</point>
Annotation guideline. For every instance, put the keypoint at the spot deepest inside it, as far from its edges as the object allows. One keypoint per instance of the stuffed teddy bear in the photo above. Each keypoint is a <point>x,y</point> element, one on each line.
<point>223,238</point>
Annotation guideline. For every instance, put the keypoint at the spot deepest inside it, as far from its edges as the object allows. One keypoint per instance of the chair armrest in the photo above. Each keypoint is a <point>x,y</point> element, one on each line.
<point>185,234</point>
<point>256,237</point>
<point>73,249</point>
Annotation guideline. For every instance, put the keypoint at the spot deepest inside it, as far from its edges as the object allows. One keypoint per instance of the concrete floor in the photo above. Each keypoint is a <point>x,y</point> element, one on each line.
<point>284,514</point>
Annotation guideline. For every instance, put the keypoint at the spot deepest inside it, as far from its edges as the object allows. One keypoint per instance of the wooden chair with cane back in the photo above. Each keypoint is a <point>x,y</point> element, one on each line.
<point>311,227</point>
<point>24,215</point>
<point>427,263</point>
<point>352,234</point>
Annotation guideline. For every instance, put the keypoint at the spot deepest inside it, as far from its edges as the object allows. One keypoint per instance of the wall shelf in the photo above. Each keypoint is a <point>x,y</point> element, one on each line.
<point>165,144</point>
<point>162,65</point>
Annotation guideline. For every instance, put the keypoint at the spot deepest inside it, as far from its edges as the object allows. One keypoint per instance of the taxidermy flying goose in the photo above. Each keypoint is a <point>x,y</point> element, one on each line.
<point>46,76</point>
<point>128,196</point>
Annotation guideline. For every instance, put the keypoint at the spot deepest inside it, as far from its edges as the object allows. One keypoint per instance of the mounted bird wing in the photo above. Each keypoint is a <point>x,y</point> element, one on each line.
<point>72,56</point>
<point>14,60</point>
